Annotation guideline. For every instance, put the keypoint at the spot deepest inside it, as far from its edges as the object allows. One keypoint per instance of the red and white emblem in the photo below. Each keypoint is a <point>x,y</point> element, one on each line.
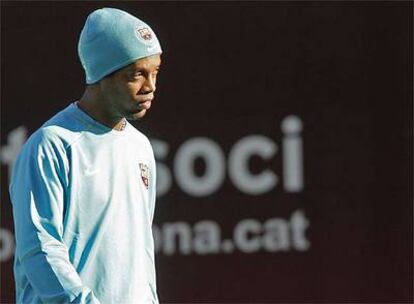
<point>144,174</point>
<point>144,33</point>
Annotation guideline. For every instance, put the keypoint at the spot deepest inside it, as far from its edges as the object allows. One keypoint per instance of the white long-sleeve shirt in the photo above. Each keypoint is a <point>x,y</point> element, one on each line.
<point>83,200</point>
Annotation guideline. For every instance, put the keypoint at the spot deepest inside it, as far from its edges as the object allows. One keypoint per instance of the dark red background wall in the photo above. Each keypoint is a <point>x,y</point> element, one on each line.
<point>236,69</point>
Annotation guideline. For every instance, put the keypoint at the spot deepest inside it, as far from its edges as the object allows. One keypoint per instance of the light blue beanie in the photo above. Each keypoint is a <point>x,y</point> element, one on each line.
<point>111,39</point>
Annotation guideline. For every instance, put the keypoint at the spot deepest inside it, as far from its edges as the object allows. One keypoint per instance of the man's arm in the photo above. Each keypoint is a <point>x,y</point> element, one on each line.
<point>37,193</point>
<point>153,185</point>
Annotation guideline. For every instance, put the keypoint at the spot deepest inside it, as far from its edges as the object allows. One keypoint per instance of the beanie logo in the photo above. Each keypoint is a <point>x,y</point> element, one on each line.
<point>144,33</point>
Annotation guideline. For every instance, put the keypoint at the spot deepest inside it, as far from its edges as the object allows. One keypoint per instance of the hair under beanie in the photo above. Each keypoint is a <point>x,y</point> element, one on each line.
<point>111,39</point>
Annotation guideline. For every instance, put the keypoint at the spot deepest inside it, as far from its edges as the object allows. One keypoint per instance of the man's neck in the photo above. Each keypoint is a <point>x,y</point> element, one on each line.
<point>89,104</point>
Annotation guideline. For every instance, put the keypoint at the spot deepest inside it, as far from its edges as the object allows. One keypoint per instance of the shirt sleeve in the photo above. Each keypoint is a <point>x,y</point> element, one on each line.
<point>37,192</point>
<point>153,186</point>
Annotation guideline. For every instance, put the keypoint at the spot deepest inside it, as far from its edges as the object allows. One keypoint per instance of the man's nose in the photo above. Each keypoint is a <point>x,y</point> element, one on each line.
<point>149,85</point>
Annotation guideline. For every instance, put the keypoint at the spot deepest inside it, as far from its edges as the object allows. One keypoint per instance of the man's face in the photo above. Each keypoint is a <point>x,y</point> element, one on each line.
<point>129,92</point>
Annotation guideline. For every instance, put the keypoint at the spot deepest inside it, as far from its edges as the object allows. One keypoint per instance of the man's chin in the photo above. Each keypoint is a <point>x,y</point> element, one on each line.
<point>137,115</point>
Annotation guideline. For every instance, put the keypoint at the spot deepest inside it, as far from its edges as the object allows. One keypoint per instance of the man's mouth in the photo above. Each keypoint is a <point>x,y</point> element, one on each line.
<point>145,104</point>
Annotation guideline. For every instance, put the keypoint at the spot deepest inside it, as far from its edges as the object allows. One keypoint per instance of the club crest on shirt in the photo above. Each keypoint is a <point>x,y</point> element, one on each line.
<point>144,174</point>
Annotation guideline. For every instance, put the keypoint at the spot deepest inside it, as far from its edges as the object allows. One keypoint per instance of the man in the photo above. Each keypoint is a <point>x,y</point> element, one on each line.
<point>83,187</point>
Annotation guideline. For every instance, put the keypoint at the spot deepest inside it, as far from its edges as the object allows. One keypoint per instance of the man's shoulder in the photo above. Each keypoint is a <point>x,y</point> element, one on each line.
<point>61,129</point>
<point>139,136</point>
